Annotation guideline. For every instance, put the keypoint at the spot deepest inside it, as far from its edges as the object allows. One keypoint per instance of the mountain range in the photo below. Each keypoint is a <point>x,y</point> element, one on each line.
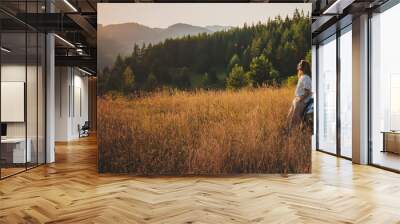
<point>120,38</point>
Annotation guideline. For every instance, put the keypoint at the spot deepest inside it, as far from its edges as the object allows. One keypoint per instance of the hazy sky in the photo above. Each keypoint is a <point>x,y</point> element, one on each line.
<point>163,15</point>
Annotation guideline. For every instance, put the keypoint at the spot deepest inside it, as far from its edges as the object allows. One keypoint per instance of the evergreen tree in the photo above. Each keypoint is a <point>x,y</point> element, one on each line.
<point>205,80</point>
<point>151,82</point>
<point>115,80</point>
<point>102,81</point>
<point>261,71</point>
<point>309,57</point>
<point>269,51</point>
<point>128,80</point>
<point>237,78</point>
<point>235,60</point>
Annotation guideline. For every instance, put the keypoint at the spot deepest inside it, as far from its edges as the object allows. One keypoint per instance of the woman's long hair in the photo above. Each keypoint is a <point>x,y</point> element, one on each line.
<point>305,67</point>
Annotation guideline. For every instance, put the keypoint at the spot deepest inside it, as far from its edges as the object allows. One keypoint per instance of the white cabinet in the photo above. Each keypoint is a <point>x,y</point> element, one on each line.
<point>19,155</point>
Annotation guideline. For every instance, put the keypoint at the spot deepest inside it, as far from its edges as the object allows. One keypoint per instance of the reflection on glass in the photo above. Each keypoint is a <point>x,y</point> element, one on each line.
<point>385,89</point>
<point>14,153</point>
<point>327,95</point>
<point>346,93</point>
<point>394,102</point>
<point>31,100</point>
<point>22,91</point>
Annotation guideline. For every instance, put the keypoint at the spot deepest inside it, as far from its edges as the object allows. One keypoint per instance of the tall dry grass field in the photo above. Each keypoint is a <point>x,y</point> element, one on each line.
<point>203,132</point>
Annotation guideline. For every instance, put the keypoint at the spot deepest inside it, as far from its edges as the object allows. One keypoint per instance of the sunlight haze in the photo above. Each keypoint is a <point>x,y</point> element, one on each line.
<point>162,15</point>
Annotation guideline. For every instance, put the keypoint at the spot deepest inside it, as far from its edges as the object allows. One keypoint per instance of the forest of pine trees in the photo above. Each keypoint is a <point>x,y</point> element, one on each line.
<point>258,54</point>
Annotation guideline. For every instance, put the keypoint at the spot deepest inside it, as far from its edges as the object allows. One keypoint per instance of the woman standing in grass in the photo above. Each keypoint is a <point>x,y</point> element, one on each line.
<point>302,93</point>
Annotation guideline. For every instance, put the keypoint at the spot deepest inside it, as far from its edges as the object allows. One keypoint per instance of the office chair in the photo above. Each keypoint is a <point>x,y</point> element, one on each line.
<point>84,130</point>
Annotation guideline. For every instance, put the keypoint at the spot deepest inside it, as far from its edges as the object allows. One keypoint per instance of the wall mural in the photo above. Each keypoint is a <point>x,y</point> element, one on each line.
<point>204,88</point>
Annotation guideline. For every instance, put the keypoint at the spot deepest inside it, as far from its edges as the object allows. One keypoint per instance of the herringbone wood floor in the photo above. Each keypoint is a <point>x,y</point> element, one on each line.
<point>70,191</point>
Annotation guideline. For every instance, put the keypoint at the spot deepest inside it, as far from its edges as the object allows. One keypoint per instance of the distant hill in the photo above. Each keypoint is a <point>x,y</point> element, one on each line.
<point>181,29</point>
<point>120,38</point>
<point>216,28</point>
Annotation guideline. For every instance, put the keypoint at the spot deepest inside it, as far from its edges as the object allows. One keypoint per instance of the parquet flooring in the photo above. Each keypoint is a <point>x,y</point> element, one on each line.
<point>71,191</point>
<point>10,171</point>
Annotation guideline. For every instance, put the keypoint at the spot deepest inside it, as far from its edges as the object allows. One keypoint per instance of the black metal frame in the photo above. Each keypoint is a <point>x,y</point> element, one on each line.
<point>369,99</point>
<point>338,98</point>
<point>44,57</point>
<point>316,97</point>
<point>338,33</point>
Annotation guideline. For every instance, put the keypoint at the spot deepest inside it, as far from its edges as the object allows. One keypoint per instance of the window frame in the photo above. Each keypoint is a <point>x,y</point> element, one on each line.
<point>340,28</point>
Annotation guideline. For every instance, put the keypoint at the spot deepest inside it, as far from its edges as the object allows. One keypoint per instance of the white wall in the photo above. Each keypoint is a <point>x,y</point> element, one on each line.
<point>16,73</point>
<point>80,110</point>
<point>62,82</point>
<point>71,94</point>
<point>33,126</point>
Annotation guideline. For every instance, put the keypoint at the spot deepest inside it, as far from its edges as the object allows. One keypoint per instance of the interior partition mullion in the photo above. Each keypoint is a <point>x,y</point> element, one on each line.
<point>73,92</point>
<point>338,73</point>
<point>369,100</point>
<point>45,93</point>
<point>37,98</point>
<point>37,90</point>
<point>26,87</point>
<point>316,97</point>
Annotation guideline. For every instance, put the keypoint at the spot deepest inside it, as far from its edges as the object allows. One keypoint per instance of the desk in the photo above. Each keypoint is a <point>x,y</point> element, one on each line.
<point>13,150</point>
<point>391,141</point>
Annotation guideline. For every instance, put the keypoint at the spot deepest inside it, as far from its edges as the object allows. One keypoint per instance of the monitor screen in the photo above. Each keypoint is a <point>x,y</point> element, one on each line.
<point>3,129</point>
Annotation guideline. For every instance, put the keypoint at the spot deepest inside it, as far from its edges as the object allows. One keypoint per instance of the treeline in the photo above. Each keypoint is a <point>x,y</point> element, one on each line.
<point>256,54</point>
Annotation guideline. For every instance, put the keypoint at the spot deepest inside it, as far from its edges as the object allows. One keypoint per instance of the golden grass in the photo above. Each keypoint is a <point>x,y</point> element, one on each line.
<point>203,132</point>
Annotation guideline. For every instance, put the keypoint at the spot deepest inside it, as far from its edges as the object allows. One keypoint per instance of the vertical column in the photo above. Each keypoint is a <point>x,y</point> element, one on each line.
<point>360,90</point>
<point>50,92</point>
<point>62,103</point>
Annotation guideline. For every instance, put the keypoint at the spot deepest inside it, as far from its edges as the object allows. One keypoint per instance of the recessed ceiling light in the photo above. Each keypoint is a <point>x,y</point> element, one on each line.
<point>70,5</point>
<point>337,7</point>
<point>5,50</point>
<point>84,71</point>
<point>64,40</point>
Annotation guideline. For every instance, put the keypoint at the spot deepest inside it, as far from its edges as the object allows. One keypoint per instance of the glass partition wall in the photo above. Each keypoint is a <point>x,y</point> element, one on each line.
<point>13,86</point>
<point>22,98</point>
<point>334,94</point>
<point>385,89</point>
